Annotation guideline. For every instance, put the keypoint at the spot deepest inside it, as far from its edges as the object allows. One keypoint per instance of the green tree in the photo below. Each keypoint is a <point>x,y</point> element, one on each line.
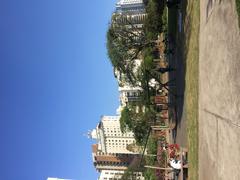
<point>126,120</point>
<point>125,42</point>
<point>137,122</point>
<point>154,22</point>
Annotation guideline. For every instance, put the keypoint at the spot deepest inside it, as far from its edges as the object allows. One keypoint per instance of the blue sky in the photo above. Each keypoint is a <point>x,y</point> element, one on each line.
<point>56,82</point>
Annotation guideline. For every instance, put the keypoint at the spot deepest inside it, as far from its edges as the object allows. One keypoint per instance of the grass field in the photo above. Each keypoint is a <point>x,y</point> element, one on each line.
<point>191,26</point>
<point>188,44</point>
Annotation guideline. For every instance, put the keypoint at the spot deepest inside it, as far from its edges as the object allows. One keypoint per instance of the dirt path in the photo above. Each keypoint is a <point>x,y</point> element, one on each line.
<point>219,92</point>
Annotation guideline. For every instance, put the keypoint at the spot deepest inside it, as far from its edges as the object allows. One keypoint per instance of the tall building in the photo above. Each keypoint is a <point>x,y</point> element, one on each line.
<point>112,165</point>
<point>109,136</point>
<point>110,174</point>
<point>128,94</point>
<point>111,161</point>
<point>130,6</point>
<point>116,175</point>
<point>130,11</point>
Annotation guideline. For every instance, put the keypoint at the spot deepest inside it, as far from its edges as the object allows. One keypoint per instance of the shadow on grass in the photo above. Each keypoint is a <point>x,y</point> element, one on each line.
<point>180,42</point>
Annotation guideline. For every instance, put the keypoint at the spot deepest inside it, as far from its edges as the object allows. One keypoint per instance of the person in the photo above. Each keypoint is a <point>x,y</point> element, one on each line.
<point>175,164</point>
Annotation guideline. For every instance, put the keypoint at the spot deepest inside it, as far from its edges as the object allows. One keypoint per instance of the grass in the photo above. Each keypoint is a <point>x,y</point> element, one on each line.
<point>238,10</point>
<point>188,43</point>
<point>191,27</point>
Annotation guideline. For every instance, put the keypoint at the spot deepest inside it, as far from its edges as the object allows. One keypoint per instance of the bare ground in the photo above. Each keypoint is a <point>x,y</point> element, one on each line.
<point>219,91</point>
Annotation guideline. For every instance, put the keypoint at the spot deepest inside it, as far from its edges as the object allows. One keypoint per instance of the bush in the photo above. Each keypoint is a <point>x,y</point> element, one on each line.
<point>153,24</point>
<point>149,174</point>
<point>152,145</point>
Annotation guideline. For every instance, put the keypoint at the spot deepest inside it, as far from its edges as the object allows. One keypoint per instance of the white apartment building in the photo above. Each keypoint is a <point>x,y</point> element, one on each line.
<point>115,175</point>
<point>110,175</point>
<point>134,6</point>
<point>131,11</point>
<point>109,136</point>
<point>128,94</point>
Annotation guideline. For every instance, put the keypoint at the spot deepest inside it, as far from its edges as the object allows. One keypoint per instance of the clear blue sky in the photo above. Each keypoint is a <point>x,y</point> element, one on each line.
<point>55,83</point>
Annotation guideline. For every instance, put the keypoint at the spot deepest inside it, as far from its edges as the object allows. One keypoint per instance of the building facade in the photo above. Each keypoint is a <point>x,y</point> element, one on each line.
<point>112,161</point>
<point>110,175</point>
<point>110,155</point>
<point>116,175</point>
<point>128,94</point>
<point>109,136</point>
<point>113,165</point>
<point>130,6</point>
<point>130,12</point>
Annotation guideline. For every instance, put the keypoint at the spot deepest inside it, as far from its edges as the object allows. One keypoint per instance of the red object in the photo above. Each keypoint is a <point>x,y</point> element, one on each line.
<point>160,99</point>
<point>174,146</point>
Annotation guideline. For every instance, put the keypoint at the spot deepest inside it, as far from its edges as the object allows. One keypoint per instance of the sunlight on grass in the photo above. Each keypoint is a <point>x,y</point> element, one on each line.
<point>191,91</point>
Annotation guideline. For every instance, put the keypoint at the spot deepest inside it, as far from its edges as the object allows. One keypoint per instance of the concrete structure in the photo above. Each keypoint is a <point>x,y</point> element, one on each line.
<point>128,94</point>
<point>219,97</point>
<point>110,155</point>
<point>113,165</point>
<point>130,12</point>
<point>111,161</point>
<point>115,175</point>
<point>109,136</point>
<point>110,174</point>
<point>130,6</point>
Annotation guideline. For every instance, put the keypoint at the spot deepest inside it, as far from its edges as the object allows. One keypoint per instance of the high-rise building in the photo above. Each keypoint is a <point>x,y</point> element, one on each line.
<point>111,161</point>
<point>116,175</point>
<point>128,94</point>
<point>130,6</point>
<point>110,138</point>
<point>110,174</point>
<point>112,165</point>
<point>130,12</point>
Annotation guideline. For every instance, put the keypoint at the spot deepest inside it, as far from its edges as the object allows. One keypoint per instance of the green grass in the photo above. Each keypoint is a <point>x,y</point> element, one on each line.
<point>188,43</point>
<point>191,26</point>
<point>238,10</point>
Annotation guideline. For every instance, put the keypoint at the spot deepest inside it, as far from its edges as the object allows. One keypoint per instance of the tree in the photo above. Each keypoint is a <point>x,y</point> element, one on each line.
<point>137,122</point>
<point>154,24</point>
<point>126,121</point>
<point>125,43</point>
<point>134,170</point>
